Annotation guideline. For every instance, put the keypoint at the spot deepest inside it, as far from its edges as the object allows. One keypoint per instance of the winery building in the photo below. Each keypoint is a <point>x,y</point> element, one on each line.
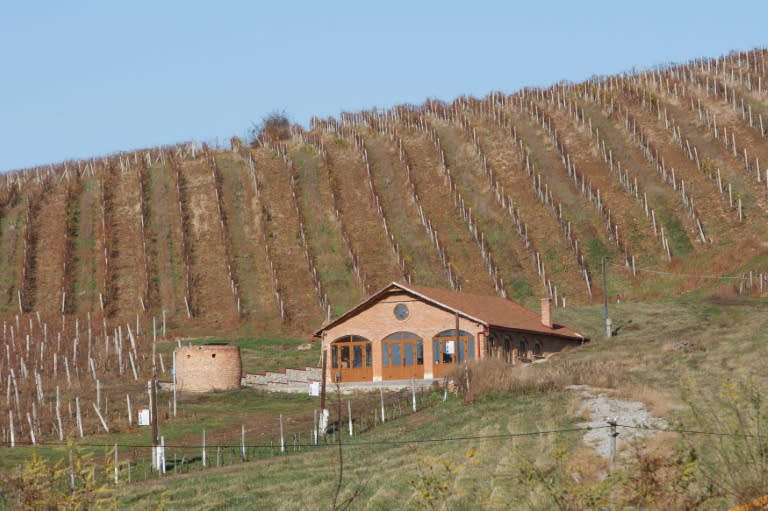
<point>405,331</point>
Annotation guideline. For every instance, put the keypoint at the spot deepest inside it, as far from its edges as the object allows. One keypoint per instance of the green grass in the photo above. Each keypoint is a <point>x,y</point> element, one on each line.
<point>679,242</point>
<point>395,462</point>
<point>521,290</point>
<point>270,353</point>
<point>727,339</point>
<point>386,471</point>
<point>596,251</point>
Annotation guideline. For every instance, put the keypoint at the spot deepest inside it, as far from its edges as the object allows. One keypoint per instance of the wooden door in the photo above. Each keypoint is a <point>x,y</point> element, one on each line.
<point>402,357</point>
<point>351,359</point>
<point>449,350</point>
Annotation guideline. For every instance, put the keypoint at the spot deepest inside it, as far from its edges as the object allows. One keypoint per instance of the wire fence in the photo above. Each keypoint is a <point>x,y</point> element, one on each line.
<point>125,462</point>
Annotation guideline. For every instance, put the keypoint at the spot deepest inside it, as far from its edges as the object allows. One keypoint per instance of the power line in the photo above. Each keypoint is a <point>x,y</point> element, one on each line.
<point>692,431</point>
<point>698,276</point>
<point>499,436</point>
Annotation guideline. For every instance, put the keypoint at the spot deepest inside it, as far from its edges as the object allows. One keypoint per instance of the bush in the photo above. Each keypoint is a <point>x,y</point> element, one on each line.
<point>275,127</point>
<point>496,376</point>
<point>734,457</point>
<point>44,483</point>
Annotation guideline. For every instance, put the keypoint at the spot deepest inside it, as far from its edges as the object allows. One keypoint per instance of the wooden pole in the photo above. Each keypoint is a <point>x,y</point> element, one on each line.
<point>174,383</point>
<point>381,397</point>
<point>205,462</point>
<point>608,331</point>
<point>153,417</point>
<point>31,429</point>
<point>154,348</point>
<point>314,435</point>
<point>79,417</point>
<point>101,417</point>
<point>324,377</point>
<point>58,415</point>
<point>349,417</point>
<point>242,442</point>
<point>10,427</point>
<point>161,455</point>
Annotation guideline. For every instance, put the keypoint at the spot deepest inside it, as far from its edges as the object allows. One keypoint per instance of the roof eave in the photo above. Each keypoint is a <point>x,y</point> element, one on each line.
<point>571,337</point>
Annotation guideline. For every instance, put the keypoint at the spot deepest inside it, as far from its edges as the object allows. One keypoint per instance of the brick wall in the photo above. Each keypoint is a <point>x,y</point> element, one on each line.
<point>497,347</point>
<point>207,367</point>
<point>378,321</point>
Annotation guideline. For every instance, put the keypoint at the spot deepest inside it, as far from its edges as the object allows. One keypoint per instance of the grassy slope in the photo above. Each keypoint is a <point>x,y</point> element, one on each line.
<point>273,483</point>
<point>727,339</point>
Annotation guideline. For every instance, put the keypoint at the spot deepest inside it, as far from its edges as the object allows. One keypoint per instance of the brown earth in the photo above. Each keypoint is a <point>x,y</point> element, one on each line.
<point>85,237</point>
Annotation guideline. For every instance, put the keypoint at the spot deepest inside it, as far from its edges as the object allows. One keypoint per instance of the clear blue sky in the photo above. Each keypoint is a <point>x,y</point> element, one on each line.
<point>81,79</point>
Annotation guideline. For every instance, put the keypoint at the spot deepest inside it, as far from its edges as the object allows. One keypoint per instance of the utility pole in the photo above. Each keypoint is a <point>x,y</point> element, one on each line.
<point>608,330</point>
<point>157,457</point>
<point>324,414</point>
<point>153,414</point>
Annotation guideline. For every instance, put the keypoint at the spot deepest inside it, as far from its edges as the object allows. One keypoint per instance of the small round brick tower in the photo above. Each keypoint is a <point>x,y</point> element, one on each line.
<point>208,367</point>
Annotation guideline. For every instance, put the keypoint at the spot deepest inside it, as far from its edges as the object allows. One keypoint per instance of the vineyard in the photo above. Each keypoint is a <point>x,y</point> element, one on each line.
<point>662,174</point>
<point>518,195</point>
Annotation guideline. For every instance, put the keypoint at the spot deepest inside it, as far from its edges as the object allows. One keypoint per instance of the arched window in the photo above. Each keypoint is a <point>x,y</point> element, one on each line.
<point>450,348</point>
<point>402,356</point>
<point>537,349</point>
<point>402,348</point>
<point>351,351</point>
<point>493,345</point>
<point>522,349</point>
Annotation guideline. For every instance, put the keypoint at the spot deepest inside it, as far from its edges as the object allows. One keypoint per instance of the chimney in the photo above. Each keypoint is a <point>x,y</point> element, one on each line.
<point>546,312</point>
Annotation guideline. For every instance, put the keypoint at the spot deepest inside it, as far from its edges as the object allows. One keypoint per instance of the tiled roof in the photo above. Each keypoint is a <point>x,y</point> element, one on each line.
<point>492,311</point>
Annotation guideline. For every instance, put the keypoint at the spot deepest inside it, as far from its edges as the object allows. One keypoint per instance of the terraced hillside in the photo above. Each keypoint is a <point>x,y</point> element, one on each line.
<point>664,174</point>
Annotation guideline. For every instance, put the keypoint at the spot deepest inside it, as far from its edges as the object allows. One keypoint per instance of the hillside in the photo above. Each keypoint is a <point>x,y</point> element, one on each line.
<point>518,446</point>
<point>664,173</point>
<point>517,439</point>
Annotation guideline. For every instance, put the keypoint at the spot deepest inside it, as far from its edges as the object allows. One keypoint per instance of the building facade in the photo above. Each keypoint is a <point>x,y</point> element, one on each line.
<point>408,332</point>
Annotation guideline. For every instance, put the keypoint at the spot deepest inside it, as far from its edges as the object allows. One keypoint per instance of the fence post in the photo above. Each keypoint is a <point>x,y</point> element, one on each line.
<point>381,396</point>
<point>612,422</point>
<point>349,416</point>
<point>204,459</point>
<point>242,442</point>
<point>161,456</point>
<point>314,436</point>
<point>10,425</point>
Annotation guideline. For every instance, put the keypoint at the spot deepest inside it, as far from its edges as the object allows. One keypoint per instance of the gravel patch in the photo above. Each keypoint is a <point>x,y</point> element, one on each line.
<point>599,407</point>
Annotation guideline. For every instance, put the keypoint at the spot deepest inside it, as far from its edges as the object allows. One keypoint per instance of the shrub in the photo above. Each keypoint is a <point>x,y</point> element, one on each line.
<point>44,483</point>
<point>275,126</point>
<point>493,376</point>
<point>734,457</point>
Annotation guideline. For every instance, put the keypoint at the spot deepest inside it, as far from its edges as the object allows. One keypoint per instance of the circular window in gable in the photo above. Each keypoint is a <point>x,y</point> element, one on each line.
<point>401,311</point>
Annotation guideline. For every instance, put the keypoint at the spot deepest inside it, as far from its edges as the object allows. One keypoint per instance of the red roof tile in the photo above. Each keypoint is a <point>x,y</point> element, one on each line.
<point>492,311</point>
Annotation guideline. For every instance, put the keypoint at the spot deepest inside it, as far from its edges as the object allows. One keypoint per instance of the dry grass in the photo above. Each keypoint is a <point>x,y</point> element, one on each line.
<point>660,402</point>
<point>495,376</point>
